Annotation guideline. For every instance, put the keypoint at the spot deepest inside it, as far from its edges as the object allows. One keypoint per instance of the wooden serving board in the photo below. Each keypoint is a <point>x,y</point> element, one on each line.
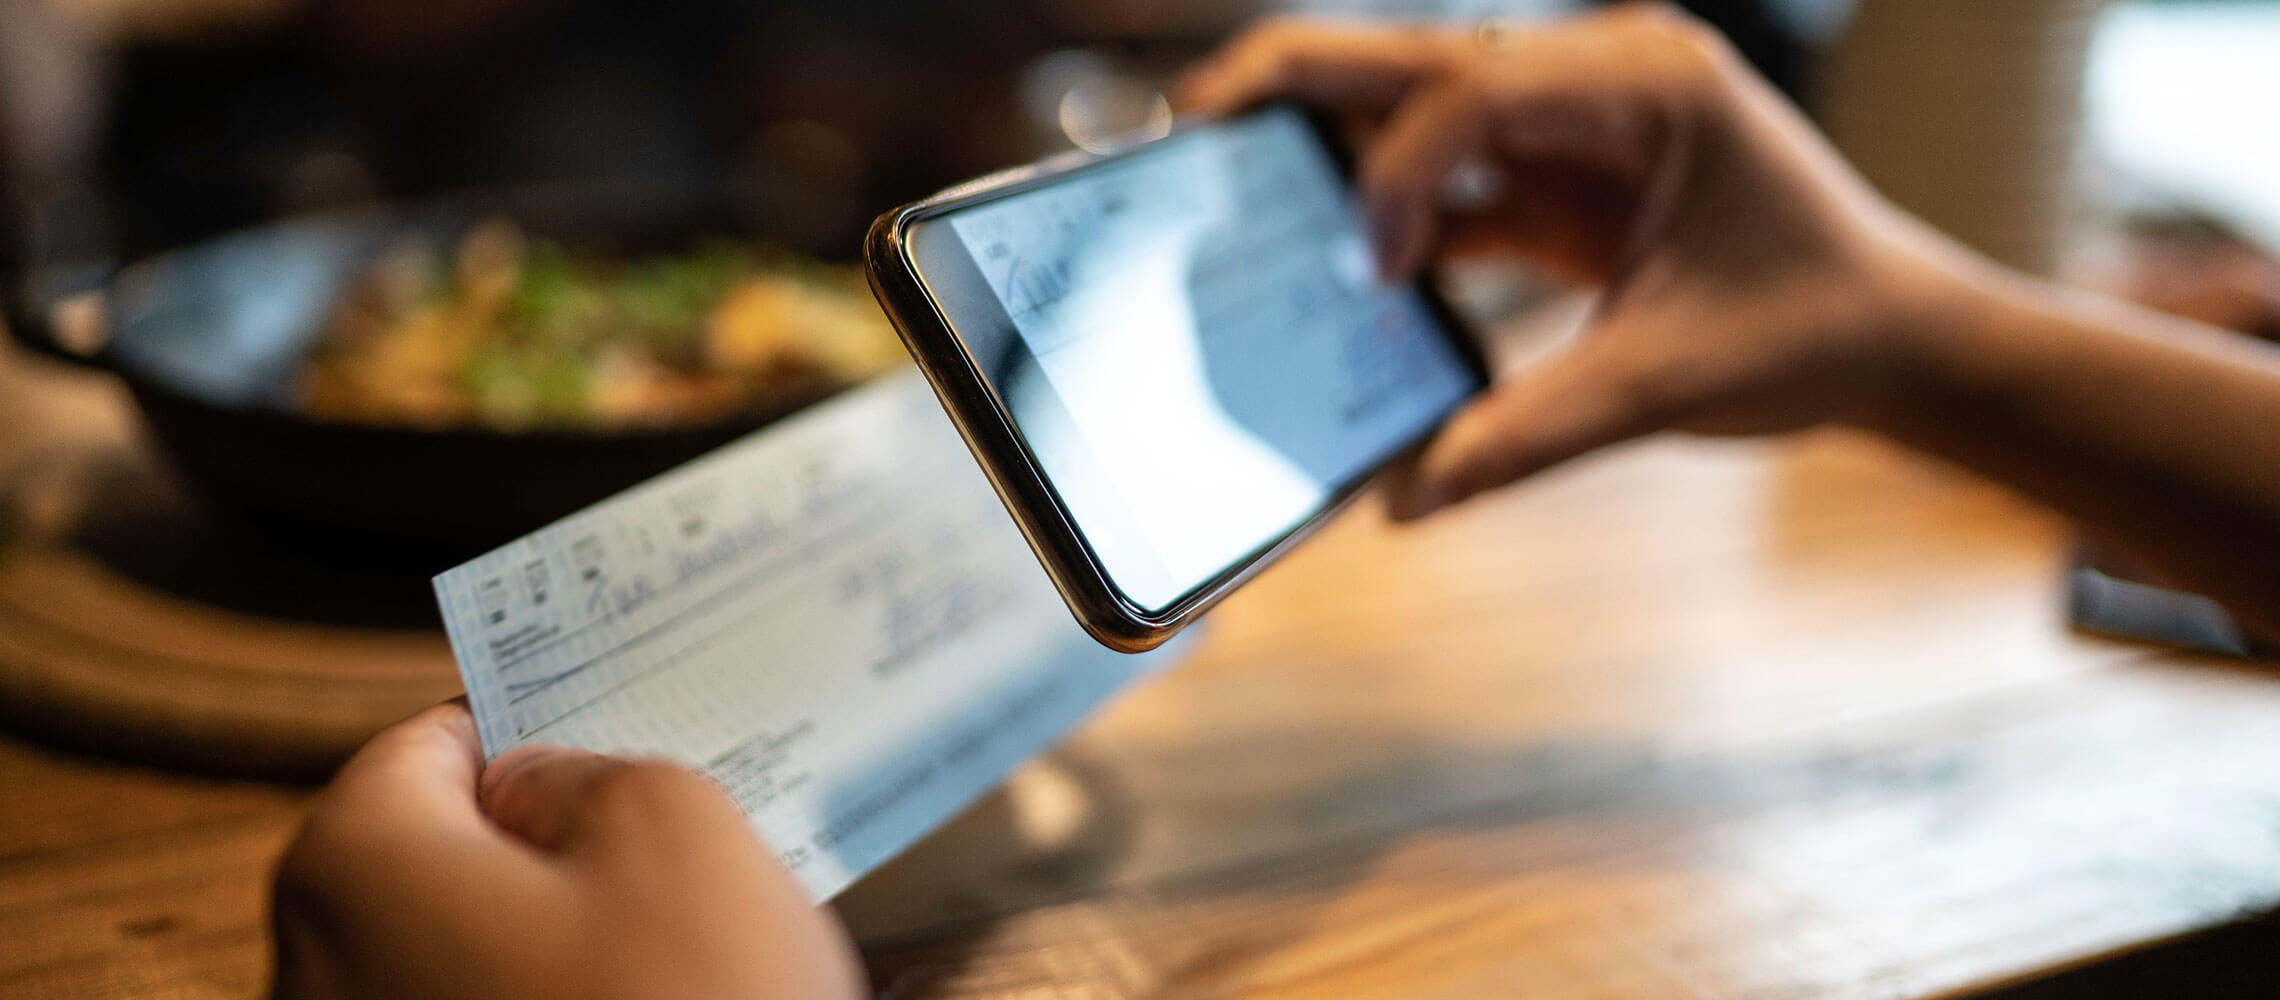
<point>135,623</point>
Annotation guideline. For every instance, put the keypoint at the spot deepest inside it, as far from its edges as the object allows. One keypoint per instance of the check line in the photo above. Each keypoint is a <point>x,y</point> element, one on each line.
<point>521,691</point>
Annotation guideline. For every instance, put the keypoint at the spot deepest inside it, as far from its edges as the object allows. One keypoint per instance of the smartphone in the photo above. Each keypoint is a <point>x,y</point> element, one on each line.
<point>1173,362</point>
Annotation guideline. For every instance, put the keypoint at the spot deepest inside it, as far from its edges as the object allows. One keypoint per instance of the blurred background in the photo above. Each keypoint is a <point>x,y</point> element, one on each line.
<point>149,123</point>
<point>131,125</point>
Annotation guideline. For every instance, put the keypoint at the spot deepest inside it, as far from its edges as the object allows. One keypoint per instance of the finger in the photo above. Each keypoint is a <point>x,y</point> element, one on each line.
<point>579,804</point>
<point>537,792</point>
<point>1405,172</point>
<point>1331,64</point>
<point>1556,111</point>
<point>420,771</point>
<point>1585,400</point>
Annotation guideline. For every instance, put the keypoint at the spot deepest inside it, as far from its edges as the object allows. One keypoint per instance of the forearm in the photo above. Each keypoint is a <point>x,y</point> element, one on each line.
<point>2161,437</point>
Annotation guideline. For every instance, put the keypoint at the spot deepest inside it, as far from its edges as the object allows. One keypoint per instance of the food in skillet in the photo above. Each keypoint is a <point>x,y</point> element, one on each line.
<point>516,333</point>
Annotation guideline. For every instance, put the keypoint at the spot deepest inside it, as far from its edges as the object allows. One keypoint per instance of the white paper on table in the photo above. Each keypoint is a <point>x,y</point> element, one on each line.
<point>834,618</point>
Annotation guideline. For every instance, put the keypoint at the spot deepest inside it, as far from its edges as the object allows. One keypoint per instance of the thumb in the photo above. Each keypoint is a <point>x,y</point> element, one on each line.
<point>537,792</point>
<point>1588,398</point>
<point>573,802</point>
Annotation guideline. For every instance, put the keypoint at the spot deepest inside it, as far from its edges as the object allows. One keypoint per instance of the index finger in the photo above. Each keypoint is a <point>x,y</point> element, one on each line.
<point>1340,65</point>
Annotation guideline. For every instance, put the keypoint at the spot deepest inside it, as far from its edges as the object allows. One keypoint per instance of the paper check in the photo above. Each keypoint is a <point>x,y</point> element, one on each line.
<point>833,618</point>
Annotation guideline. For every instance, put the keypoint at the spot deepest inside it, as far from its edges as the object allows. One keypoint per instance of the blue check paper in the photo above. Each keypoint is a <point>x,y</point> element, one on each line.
<point>833,618</point>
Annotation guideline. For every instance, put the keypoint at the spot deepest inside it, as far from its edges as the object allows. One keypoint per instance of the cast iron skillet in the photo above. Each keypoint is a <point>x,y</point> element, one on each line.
<point>208,337</point>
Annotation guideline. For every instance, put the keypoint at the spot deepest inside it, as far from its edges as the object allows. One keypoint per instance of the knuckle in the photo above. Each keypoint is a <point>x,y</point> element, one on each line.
<point>1682,65</point>
<point>1651,14</point>
<point>1666,26</point>
<point>1685,36</point>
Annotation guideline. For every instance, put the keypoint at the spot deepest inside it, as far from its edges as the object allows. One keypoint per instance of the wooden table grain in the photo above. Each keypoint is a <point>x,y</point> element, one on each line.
<point>1691,719</point>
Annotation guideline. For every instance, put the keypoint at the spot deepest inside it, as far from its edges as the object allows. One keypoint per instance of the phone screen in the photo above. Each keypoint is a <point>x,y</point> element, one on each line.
<point>1193,343</point>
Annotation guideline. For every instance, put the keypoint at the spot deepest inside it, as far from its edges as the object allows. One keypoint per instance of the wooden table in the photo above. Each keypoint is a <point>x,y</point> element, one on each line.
<point>1694,719</point>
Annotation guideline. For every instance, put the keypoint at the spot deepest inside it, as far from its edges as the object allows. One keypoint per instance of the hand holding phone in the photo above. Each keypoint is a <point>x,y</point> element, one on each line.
<point>1173,362</point>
